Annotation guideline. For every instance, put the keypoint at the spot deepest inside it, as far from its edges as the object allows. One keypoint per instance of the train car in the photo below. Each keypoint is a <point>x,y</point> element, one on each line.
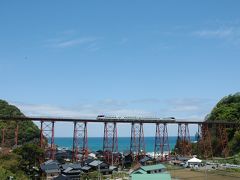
<point>101,117</point>
<point>106,117</point>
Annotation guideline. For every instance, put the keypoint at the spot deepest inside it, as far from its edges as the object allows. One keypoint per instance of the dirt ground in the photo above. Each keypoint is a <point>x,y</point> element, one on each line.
<point>213,175</point>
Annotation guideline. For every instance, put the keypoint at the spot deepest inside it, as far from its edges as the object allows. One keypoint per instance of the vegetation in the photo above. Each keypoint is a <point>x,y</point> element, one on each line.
<point>23,162</point>
<point>227,109</point>
<point>9,167</point>
<point>27,130</point>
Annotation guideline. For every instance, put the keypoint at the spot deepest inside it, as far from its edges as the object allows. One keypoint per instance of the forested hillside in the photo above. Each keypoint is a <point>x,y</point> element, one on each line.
<point>227,109</point>
<point>28,131</point>
<point>21,164</point>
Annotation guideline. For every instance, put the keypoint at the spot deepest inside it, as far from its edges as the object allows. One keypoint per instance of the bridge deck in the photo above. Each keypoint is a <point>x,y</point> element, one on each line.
<point>117,120</point>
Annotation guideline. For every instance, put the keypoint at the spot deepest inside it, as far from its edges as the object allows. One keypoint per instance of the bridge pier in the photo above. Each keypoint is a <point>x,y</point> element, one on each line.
<point>205,141</point>
<point>161,142</point>
<point>184,141</point>
<point>137,146</point>
<point>47,131</point>
<point>16,135</point>
<point>9,137</point>
<point>223,139</point>
<point>3,137</point>
<point>80,141</point>
<point>110,143</point>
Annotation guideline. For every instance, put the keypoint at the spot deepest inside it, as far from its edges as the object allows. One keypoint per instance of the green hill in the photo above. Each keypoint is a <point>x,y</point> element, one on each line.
<point>20,162</point>
<point>227,109</point>
<point>28,131</point>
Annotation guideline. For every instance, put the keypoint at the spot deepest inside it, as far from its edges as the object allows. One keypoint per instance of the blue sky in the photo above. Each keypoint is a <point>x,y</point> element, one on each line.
<point>140,58</point>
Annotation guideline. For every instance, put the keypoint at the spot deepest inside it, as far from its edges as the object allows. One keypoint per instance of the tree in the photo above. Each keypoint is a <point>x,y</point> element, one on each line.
<point>31,154</point>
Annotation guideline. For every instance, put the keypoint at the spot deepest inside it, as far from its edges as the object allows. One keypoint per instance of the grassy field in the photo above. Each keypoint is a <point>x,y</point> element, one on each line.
<point>199,175</point>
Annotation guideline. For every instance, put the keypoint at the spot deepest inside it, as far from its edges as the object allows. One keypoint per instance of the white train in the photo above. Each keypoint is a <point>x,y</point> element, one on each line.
<point>133,118</point>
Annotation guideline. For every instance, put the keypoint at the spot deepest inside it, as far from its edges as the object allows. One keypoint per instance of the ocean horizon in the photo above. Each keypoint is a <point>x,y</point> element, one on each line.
<point>96,143</point>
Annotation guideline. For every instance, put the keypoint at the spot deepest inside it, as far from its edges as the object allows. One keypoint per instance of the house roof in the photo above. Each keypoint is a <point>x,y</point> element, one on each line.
<point>113,167</point>
<point>153,167</point>
<point>68,169</point>
<point>48,162</point>
<point>65,166</point>
<point>145,159</point>
<point>139,171</point>
<point>50,167</point>
<point>95,163</point>
<point>49,171</point>
<point>76,166</point>
<point>157,176</point>
<point>88,161</point>
<point>86,168</point>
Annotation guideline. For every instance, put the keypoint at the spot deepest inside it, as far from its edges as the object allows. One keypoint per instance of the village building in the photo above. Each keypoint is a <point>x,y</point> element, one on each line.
<point>100,166</point>
<point>150,169</point>
<point>153,172</point>
<point>50,169</point>
<point>72,170</point>
<point>162,176</point>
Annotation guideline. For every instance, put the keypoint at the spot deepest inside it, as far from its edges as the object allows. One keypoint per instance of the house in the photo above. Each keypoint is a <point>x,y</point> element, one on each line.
<point>162,176</point>
<point>101,166</point>
<point>150,169</point>
<point>72,170</point>
<point>50,169</point>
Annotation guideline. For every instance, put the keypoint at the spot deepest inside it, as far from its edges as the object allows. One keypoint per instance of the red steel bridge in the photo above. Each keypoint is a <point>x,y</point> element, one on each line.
<point>137,145</point>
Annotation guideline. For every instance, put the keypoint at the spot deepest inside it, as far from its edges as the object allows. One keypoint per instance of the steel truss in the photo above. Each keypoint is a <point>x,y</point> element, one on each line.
<point>185,147</point>
<point>80,141</point>
<point>137,146</point>
<point>205,141</point>
<point>223,139</point>
<point>110,143</point>
<point>47,138</point>
<point>161,142</point>
<point>9,138</point>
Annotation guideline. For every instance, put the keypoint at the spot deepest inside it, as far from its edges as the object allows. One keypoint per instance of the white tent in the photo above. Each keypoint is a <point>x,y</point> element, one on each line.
<point>194,160</point>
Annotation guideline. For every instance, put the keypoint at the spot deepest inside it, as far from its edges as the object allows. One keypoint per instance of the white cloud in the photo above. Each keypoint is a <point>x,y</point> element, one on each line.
<point>83,111</point>
<point>228,33</point>
<point>71,38</point>
<point>71,42</point>
<point>190,108</point>
<point>216,33</point>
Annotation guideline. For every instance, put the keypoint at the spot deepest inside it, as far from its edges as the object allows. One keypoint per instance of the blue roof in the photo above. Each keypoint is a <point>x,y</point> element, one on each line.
<point>157,176</point>
<point>153,167</point>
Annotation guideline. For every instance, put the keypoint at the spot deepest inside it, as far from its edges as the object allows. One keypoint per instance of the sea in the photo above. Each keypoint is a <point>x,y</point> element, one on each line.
<point>96,143</point>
